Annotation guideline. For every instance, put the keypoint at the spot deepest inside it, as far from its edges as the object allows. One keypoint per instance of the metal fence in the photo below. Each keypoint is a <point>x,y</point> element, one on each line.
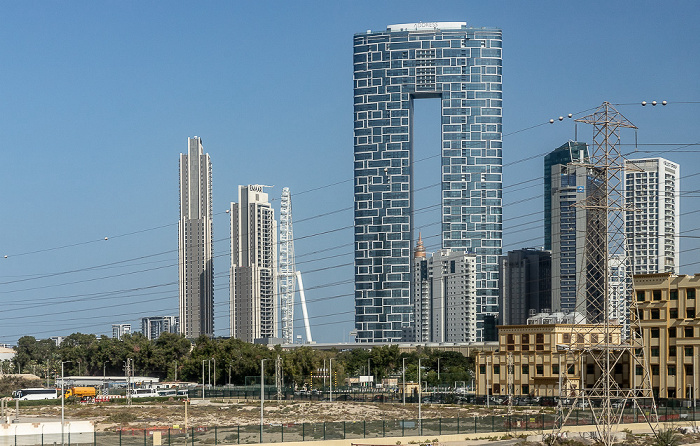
<point>276,433</point>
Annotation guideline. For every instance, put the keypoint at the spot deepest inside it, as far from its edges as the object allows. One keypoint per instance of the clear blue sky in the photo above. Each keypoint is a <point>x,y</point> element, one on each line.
<point>98,99</point>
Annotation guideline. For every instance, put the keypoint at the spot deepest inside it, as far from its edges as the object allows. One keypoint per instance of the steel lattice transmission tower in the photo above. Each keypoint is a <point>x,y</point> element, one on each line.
<point>287,273</point>
<point>603,344</point>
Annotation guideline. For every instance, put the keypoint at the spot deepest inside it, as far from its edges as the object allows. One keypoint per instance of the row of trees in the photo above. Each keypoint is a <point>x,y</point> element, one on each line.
<point>171,357</point>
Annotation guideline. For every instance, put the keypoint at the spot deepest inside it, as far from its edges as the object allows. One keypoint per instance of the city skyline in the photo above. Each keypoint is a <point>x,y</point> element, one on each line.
<point>95,113</point>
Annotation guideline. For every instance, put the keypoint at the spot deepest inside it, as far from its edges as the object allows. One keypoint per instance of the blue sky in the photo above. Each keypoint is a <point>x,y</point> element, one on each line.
<point>98,99</point>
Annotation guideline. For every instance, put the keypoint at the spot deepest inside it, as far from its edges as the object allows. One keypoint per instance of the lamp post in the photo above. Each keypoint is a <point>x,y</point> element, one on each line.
<point>203,383</point>
<point>369,369</point>
<point>403,372</point>
<point>438,370</point>
<point>63,400</point>
<point>214,360</point>
<point>330,379</point>
<point>104,376</point>
<point>420,400</point>
<point>229,374</point>
<point>262,395</point>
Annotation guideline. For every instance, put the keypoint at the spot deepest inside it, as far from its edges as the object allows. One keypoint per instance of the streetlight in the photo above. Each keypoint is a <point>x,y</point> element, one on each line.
<point>63,400</point>
<point>403,372</point>
<point>203,383</point>
<point>214,359</point>
<point>330,378</point>
<point>420,400</point>
<point>262,395</point>
<point>438,370</point>
<point>369,369</point>
<point>104,376</point>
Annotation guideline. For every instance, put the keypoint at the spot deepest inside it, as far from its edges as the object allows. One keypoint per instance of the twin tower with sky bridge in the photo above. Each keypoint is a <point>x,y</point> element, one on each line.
<point>461,67</point>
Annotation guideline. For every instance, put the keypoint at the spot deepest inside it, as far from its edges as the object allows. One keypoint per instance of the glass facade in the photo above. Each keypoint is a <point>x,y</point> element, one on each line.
<point>460,66</point>
<point>566,182</point>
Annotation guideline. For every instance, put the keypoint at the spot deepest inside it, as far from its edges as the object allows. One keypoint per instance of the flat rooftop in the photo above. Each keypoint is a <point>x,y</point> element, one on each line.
<point>426,26</point>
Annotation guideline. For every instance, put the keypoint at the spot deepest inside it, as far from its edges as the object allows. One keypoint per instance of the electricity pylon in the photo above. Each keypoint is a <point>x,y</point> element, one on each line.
<point>604,345</point>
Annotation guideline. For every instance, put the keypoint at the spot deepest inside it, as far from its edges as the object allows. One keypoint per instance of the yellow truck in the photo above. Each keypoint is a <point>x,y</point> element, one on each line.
<point>81,392</point>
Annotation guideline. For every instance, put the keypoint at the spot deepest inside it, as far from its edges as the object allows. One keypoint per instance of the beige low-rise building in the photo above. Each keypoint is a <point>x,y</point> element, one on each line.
<point>667,308</point>
<point>542,357</point>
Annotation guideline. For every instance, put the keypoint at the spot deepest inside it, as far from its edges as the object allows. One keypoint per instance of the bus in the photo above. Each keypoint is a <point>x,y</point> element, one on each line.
<point>35,393</point>
<point>143,393</point>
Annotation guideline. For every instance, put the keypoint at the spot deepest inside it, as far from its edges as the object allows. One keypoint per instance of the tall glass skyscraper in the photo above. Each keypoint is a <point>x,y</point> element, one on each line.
<point>461,67</point>
<point>567,182</point>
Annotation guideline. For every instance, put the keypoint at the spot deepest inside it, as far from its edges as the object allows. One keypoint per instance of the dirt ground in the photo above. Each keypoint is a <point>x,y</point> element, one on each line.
<point>108,416</point>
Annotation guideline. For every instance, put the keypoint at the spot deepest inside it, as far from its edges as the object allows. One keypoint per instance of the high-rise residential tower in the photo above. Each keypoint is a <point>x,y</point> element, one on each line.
<point>652,191</point>
<point>444,299</point>
<point>253,289</point>
<point>152,327</point>
<point>461,67</point>
<point>566,183</point>
<point>453,296</point>
<point>196,243</point>
<point>119,330</point>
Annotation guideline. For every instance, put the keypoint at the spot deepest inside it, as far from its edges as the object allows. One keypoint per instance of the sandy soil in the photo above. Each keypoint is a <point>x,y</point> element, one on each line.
<point>108,416</point>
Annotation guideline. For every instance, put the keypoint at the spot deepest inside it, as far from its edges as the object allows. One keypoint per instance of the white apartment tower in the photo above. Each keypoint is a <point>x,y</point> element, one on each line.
<point>652,193</point>
<point>444,296</point>
<point>153,327</point>
<point>195,242</point>
<point>453,296</point>
<point>253,309</point>
<point>119,330</point>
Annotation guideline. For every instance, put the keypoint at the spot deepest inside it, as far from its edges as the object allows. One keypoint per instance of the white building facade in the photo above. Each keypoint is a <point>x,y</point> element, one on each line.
<point>652,195</point>
<point>253,295</point>
<point>444,296</point>
<point>454,311</point>
<point>153,327</point>
<point>196,243</point>
<point>119,330</point>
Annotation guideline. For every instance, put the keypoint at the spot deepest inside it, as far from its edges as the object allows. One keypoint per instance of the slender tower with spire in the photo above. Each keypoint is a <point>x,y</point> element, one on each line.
<point>421,293</point>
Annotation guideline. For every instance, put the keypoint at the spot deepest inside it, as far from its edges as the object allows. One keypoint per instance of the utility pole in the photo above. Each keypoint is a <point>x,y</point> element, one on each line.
<point>488,383</point>
<point>510,382</point>
<point>403,372</point>
<point>187,400</point>
<point>63,400</point>
<point>420,401</point>
<point>438,370</point>
<point>330,379</point>
<point>128,372</point>
<point>262,396</point>
<point>278,377</point>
